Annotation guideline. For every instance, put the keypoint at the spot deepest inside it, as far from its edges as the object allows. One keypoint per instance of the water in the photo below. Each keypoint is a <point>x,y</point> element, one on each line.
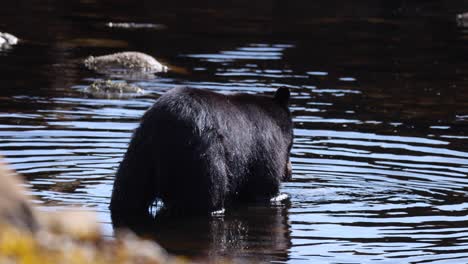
<point>380,104</point>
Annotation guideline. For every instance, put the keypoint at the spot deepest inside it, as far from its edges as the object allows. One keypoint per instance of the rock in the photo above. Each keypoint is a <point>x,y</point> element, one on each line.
<point>113,89</point>
<point>77,224</point>
<point>124,62</point>
<point>71,239</point>
<point>462,20</point>
<point>31,236</point>
<point>14,206</point>
<point>131,25</point>
<point>7,40</point>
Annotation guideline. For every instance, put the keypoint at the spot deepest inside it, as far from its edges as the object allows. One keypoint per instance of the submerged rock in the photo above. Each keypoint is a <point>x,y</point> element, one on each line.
<point>7,39</point>
<point>122,62</point>
<point>113,89</point>
<point>462,20</point>
<point>131,25</point>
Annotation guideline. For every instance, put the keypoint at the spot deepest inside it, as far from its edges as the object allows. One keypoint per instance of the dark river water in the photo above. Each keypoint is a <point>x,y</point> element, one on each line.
<point>380,105</point>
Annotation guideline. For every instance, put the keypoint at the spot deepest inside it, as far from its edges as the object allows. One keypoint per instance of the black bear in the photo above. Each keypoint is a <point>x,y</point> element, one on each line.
<point>199,151</point>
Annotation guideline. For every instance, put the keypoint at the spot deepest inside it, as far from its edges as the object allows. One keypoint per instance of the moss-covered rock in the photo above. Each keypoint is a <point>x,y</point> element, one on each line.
<point>46,246</point>
<point>124,62</point>
<point>28,236</point>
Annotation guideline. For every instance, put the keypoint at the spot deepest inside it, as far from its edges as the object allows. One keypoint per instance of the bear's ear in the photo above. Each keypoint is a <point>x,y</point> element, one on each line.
<point>282,95</point>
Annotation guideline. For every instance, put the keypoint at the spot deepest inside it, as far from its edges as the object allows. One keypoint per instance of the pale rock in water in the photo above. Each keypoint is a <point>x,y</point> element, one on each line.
<point>131,25</point>
<point>462,20</point>
<point>7,39</point>
<point>129,61</point>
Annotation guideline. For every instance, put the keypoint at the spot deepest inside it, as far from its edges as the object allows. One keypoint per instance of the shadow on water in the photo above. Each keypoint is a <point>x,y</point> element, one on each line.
<point>257,233</point>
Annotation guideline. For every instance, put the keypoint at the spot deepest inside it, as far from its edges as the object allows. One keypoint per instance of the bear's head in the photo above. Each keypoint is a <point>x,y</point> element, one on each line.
<point>281,97</point>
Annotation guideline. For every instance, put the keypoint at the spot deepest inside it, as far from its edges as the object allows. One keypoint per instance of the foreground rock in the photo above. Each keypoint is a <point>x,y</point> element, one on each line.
<point>7,40</point>
<point>29,236</point>
<point>15,209</point>
<point>54,247</point>
<point>125,62</point>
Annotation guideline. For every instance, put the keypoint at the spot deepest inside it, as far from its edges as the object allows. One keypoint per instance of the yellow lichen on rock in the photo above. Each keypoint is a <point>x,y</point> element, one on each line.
<point>29,236</point>
<point>18,246</point>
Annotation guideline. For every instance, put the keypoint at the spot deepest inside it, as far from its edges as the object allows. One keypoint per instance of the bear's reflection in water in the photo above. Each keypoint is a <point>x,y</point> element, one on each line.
<point>257,233</point>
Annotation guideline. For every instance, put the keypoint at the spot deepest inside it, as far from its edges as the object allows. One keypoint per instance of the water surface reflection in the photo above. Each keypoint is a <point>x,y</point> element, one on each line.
<point>258,233</point>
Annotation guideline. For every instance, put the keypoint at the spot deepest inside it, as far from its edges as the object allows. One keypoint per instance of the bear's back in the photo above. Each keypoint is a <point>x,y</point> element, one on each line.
<point>187,116</point>
<point>205,107</point>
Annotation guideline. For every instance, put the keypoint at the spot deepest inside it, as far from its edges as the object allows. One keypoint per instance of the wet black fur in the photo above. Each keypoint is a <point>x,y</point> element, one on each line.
<point>199,151</point>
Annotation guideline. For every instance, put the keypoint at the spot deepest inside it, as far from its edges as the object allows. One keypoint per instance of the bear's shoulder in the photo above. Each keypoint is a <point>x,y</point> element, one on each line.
<point>203,95</point>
